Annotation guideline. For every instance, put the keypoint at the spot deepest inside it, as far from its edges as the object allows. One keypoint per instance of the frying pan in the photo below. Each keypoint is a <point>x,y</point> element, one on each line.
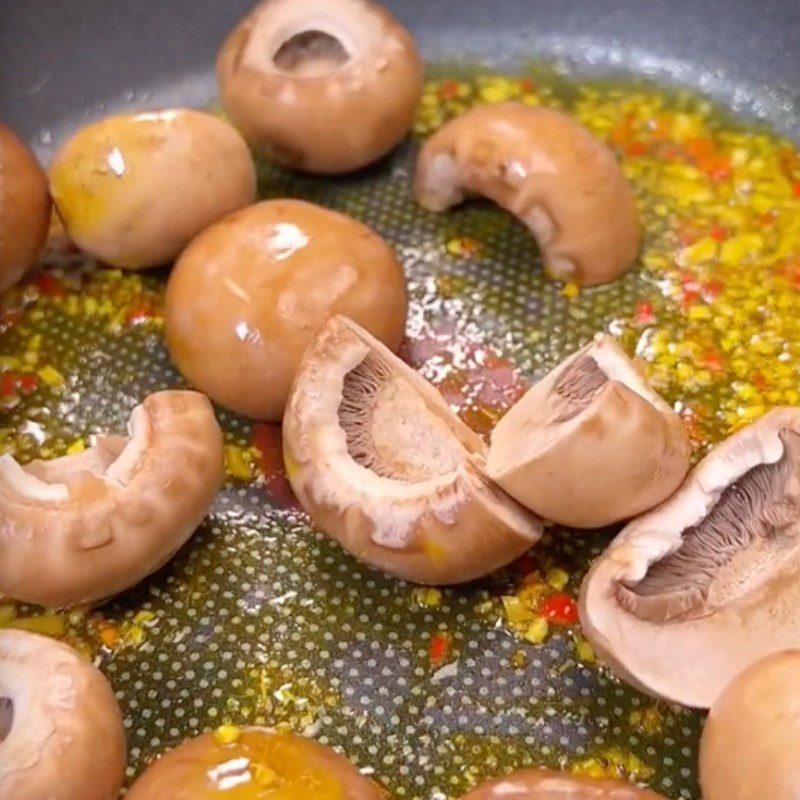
<point>258,599</point>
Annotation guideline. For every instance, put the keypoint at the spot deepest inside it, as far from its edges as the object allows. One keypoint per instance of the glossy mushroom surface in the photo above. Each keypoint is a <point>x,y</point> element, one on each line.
<point>24,208</point>
<point>544,167</point>
<point>248,295</point>
<point>133,189</point>
<point>61,734</point>
<point>545,784</point>
<point>383,466</point>
<point>324,86</point>
<point>253,764</point>
<point>593,415</point>
<point>81,528</point>
<point>748,750</point>
<point>692,593</point>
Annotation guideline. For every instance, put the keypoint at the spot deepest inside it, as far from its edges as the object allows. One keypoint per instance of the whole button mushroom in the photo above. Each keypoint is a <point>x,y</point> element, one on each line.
<point>61,733</point>
<point>132,190</point>
<point>24,208</point>
<point>545,784</point>
<point>253,764</point>
<point>384,467</point>
<point>248,295</point>
<point>550,172</point>
<point>81,528</point>
<point>325,86</point>
<point>748,750</point>
<point>692,593</point>
<point>593,415</point>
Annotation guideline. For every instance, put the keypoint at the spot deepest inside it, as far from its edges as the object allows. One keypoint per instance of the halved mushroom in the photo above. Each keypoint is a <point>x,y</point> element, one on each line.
<point>591,443</point>
<point>81,528</point>
<point>550,172</point>
<point>325,86</point>
<point>253,764</point>
<point>545,784</point>
<point>383,466</point>
<point>689,595</point>
<point>748,750</point>
<point>24,208</point>
<point>61,734</point>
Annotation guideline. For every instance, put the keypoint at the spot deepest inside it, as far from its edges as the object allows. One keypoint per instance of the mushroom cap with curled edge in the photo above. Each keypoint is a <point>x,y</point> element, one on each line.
<point>692,593</point>
<point>24,208</point>
<point>591,443</point>
<point>253,763</point>
<point>325,86</point>
<point>748,750</point>
<point>550,172</point>
<point>134,189</point>
<point>61,733</point>
<point>545,784</point>
<point>383,466</point>
<point>81,528</point>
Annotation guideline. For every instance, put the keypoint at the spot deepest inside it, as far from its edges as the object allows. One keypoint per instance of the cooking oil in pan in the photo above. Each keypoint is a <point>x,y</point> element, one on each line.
<point>262,620</point>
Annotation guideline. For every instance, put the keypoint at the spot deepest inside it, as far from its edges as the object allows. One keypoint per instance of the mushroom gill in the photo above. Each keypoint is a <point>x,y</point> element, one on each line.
<point>6,717</point>
<point>693,592</point>
<point>388,430</point>
<point>384,467</point>
<point>745,534</point>
<point>578,386</point>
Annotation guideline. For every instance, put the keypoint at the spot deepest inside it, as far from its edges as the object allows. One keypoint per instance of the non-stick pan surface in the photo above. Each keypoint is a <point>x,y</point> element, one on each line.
<point>262,620</point>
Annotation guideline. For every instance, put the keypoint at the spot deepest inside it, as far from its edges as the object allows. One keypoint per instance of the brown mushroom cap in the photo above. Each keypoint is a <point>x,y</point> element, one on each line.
<point>690,594</point>
<point>550,172</point>
<point>247,296</point>
<point>256,764</point>
<point>750,741</point>
<point>81,528</point>
<point>24,208</point>
<point>593,415</point>
<point>133,189</point>
<point>383,466</point>
<point>325,86</point>
<point>61,734</point>
<point>544,784</point>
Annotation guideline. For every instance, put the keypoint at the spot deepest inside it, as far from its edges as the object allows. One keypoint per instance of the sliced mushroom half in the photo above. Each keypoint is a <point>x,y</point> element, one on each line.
<point>591,443</point>
<point>550,172</point>
<point>689,595</point>
<point>383,466</point>
<point>81,528</point>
